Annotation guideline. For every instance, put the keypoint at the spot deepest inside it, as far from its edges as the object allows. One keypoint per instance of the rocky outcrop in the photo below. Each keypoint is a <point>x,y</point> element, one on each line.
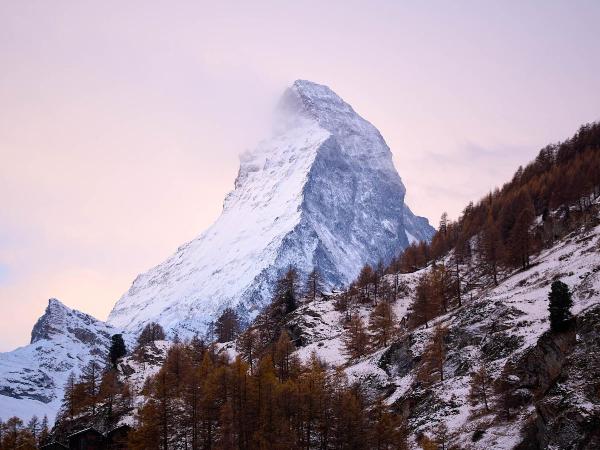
<point>567,416</point>
<point>398,360</point>
<point>538,369</point>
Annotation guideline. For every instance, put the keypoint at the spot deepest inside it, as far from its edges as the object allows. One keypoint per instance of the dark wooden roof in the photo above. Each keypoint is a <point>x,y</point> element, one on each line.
<point>123,427</point>
<point>53,446</point>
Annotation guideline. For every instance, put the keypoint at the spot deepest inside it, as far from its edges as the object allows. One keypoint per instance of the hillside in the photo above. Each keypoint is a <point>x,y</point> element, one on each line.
<point>547,382</point>
<point>459,350</point>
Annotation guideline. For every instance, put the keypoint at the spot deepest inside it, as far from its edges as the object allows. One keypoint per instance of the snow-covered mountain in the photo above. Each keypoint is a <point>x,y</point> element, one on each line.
<point>321,192</point>
<point>32,377</point>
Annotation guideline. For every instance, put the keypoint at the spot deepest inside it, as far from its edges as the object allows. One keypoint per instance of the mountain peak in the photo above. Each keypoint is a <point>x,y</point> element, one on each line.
<point>317,102</point>
<point>314,91</point>
<point>63,340</point>
<point>60,320</point>
<point>322,192</point>
<point>51,322</point>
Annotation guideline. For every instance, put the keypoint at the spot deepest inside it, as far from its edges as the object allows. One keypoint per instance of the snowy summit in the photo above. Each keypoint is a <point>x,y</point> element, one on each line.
<point>322,193</point>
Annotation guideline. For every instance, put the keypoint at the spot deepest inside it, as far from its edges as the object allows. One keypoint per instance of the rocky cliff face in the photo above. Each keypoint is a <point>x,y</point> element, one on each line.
<point>32,377</point>
<point>567,411</point>
<point>321,193</point>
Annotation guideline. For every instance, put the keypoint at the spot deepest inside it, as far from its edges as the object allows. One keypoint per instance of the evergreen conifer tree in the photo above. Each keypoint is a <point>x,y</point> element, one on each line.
<point>117,349</point>
<point>560,303</point>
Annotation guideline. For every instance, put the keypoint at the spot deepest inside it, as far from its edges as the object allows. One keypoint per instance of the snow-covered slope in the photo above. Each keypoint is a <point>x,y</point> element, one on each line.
<point>505,328</point>
<point>32,377</point>
<point>321,192</point>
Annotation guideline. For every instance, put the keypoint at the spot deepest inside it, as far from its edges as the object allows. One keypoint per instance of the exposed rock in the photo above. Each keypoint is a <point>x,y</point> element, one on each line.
<point>398,360</point>
<point>568,415</point>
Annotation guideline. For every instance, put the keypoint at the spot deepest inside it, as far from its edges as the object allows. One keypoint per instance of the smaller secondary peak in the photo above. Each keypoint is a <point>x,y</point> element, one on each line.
<point>56,308</point>
<point>51,322</point>
<point>55,303</point>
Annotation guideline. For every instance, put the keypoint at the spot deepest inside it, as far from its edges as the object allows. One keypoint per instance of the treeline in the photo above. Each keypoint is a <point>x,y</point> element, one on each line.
<point>558,186</point>
<point>266,329</point>
<point>98,397</point>
<point>14,434</point>
<point>373,290</point>
<point>201,400</point>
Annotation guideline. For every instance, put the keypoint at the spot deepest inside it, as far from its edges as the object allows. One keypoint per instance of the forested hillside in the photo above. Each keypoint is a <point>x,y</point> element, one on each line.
<point>555,191</point>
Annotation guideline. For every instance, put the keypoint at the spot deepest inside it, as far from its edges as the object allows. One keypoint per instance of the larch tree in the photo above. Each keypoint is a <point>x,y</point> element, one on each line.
<point>387,430</point>
<point>364,281</point>
<point>520,239</point>
<point>442,436</point>
<point>227,326</point>
<point>68,403</point>
<point>90,378</point>
<point>282,356</point>
<point>356,339</point>
<point>441,286</point>
<point>515,219</point>
<point>480,386</point>
<point>490,249</point>
<point>427,443</point>
<point>432,360</point>
<point>382,323</point>
<point>314,284</point>
<point>108,391</point>
<point>425,307</point>
<point>196,349</point>
<point>248,345</point>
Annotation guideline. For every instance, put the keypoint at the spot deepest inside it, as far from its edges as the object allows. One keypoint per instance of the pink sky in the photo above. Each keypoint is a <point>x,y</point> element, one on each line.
<point>121,122</point>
